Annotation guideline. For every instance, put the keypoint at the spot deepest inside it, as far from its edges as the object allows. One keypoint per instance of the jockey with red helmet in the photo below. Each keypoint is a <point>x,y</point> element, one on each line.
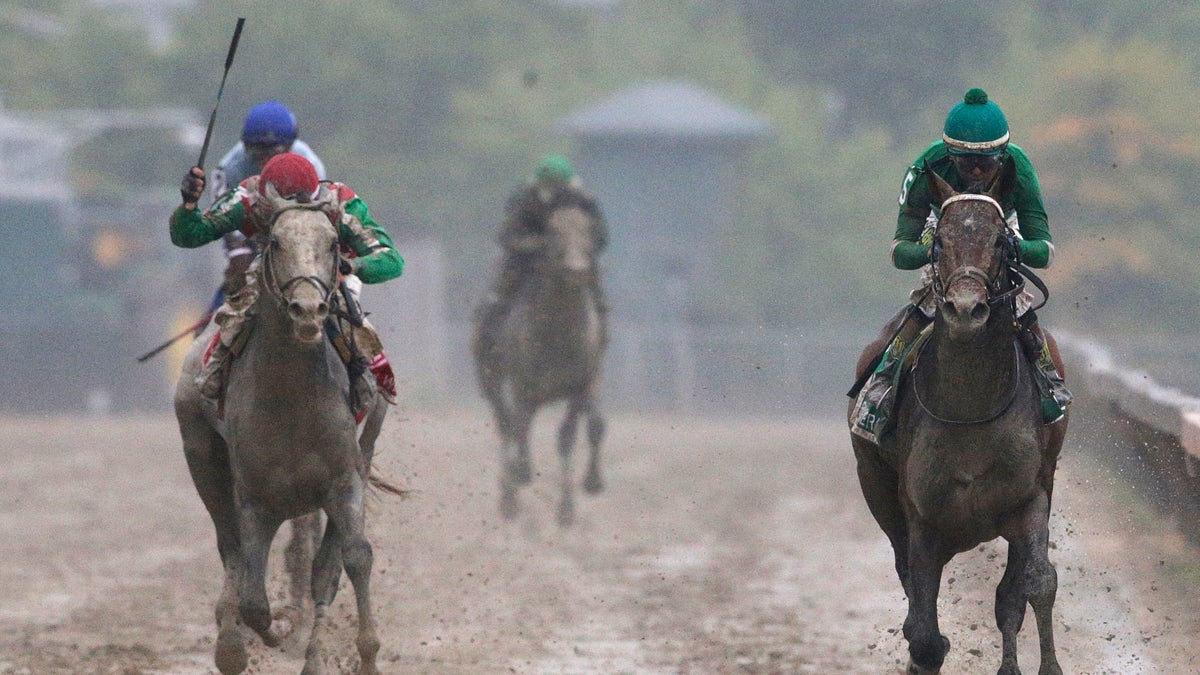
<point>268,130</point>
<point>369,256</point>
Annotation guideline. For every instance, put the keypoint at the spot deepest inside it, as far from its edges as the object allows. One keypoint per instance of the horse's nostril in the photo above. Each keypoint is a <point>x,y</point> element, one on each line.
<point>979,312</point>
<point>322,309</point>
<point>295,310</point>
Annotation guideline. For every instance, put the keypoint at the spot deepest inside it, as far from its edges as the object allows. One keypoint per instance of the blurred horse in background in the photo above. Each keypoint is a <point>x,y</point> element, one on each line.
<point>549,348</point>
<point>286,445</point>
<point>969,459</point>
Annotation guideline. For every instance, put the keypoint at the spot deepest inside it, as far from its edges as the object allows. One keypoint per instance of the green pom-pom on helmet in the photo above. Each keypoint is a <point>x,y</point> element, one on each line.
<point>553,168</point>
<point>976,126</point>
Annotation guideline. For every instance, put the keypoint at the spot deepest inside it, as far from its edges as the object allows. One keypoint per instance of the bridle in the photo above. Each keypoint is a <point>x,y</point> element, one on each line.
<point>1012,271</point>
<point>270,278</point>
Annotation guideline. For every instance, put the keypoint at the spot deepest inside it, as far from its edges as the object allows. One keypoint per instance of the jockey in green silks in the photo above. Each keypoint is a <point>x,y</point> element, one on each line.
<point>367,255</point>
<point>974,146</point>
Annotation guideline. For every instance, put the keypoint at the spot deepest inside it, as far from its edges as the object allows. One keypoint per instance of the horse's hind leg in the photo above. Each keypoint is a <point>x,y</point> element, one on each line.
<point>592,482</point>
<point>298,557</point>
<point>326,574</point>
<point>566,444</point>
<point>1029,577</point>
<point>346,531</point>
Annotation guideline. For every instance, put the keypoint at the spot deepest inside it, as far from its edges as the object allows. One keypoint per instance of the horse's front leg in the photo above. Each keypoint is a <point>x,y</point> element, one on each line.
<point>592,482</point>
<point>927,647</point>
<point>257,530</point>
<point>566,444</point>
<point>515,466</point>
<point>1029,577</point>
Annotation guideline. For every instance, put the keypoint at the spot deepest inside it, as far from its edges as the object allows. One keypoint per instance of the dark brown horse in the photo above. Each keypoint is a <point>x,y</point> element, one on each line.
<point>969,458</point>
<point>548,349</point>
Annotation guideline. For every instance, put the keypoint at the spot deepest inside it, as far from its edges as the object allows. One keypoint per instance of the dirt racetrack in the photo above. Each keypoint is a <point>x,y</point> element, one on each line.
<point>720,546</point>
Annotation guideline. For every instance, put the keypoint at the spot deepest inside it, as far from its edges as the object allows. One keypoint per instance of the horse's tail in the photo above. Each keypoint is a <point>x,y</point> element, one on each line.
<point>377,481</point>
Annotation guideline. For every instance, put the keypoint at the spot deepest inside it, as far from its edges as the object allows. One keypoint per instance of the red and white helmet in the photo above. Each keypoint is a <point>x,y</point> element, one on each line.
<point>290,176</point>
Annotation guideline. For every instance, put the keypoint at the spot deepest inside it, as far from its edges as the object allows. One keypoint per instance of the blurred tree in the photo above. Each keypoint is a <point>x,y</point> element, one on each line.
<point>881,61</point>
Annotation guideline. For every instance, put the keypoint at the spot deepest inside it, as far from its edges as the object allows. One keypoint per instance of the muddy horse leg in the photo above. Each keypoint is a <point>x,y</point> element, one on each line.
<point>566,444</point>
<point>326,575</point>
<point>298,557</point>
<point>515,469</point>
<point>880,485</point>
<point>346,515</point>
<point>1028,578</point>
<point>927,647</point>
<point>592,482</point>
<point>522,420</point>
<point>257,529</point>
<point>208,462</point>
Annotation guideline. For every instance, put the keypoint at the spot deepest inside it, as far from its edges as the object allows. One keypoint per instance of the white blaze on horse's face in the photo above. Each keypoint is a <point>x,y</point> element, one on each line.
<point>571,241</point>
<point>301,264</point>
<point>969,260</point>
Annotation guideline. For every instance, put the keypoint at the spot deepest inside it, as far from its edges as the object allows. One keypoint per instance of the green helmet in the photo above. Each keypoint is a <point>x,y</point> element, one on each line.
<point>553,168</point>
<point>976,126</point>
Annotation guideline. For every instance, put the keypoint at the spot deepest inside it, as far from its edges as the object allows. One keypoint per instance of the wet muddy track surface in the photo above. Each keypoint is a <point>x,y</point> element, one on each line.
<point>720,546</point>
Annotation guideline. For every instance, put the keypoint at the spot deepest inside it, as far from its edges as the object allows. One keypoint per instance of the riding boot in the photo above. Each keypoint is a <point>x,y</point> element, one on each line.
<point>873,408</point>
<point>231,318</point>
<point>362,385</point>
<point>1051,385</point>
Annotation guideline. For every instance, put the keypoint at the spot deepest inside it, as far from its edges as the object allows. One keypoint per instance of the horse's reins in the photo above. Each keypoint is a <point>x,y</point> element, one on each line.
<point>1017,273</point>
<point>1012,394</point>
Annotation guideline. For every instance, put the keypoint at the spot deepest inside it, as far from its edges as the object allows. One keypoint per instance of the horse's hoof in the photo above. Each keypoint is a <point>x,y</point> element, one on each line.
<point>914,669</point>
<point>230,656</point>
<point>593,484</point>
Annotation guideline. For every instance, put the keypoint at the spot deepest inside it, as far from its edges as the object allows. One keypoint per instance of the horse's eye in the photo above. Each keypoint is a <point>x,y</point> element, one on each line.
<point>274,243</point>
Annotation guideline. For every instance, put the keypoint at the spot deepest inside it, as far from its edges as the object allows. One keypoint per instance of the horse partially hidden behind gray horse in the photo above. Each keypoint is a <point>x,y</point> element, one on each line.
<point>969,458</point>
<point>286,445</point>
<point>549,348</point>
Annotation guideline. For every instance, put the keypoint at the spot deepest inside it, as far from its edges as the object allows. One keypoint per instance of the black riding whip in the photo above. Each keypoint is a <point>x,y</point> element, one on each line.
<point>237,33</point>
<point>187,331</point>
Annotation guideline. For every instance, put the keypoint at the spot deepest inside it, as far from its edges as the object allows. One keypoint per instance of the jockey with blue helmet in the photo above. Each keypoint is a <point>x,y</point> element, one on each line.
<point>975,146</point>
<point>269,129</point>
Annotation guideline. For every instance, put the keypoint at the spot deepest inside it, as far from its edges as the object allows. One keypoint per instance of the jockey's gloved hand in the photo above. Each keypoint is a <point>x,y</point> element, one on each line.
<point>345,267</point>
<point>193,185</point>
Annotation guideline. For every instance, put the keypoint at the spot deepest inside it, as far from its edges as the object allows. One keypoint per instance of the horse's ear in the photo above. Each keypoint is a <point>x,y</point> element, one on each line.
<point>268,192</point>
<point>938,187</point>
<point>1005,180</point>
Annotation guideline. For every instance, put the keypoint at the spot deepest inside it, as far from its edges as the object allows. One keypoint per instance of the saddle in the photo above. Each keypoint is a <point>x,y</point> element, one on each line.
<point>874,405</point>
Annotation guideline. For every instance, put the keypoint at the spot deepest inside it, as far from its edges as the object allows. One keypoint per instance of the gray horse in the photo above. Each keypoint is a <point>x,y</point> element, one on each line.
<point>969,459</point>
<point>286,445</point>
<point>548,349</point>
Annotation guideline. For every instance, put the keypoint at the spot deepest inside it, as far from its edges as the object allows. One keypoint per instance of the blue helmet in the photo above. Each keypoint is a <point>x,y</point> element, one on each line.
<point>269,123</point>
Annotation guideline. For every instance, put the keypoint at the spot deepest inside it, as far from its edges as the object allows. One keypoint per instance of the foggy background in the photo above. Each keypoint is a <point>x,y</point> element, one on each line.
<point>748,155</point>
